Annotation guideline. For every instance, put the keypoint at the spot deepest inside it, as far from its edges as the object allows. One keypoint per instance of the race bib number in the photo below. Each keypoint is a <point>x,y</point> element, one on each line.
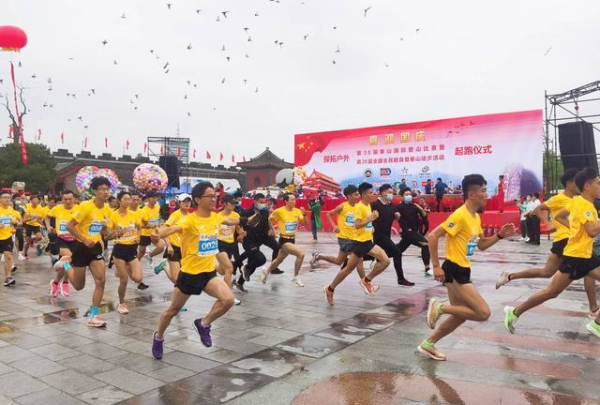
<point>226,230</point>
<point>5,221</point>
<point>369,226</point>
<point>290,227</point>
<point>349,219</point>
<point>95,228</point>
<point>153,222</point>
<point>62,228</point>
<point>129,233</point>
<point>471,246</point>
<point>208,245</point>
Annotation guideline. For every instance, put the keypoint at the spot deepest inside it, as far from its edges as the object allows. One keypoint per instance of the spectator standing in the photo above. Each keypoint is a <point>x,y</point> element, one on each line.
<point>440,190</point>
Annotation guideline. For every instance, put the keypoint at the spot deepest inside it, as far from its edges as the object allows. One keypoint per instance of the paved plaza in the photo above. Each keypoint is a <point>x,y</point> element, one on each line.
<point>286,345</point>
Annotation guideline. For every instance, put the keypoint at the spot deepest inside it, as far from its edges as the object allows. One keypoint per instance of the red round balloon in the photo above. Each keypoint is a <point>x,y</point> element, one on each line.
<point>12,38</point>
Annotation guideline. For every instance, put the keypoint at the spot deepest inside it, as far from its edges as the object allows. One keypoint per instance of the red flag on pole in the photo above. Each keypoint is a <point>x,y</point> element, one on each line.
<point>145,147</point>
<point>10,131</point>
<point>62,137</point>
<point>232,158</point>
<point>194,154</point>
<point>178,151</point>
<point>39,134</point>
<point>208,155</point>
<point>221,156</point>
<point>127,144</point>
<point>105,142</point>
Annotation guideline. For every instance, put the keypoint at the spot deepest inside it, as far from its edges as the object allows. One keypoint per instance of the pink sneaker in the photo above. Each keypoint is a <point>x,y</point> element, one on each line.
<point>53,289</point>
<point>64,290</point>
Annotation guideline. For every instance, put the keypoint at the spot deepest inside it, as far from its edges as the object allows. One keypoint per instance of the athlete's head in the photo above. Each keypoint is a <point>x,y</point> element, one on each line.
<point>386,192</point>
<point>290,200</point>
<point>135,201</point>
<point>260,201</point>
<point>474,189</point>
<point>151,198</point>
<point>588,182</point>
<point>4,198</point>
<point>204,195</point>
<point>52,201</point>
<point>501,177</point>
<point>352,194</point>
<point>101,188</point>
<point>124,198</point>
<point>229,202</point>
<point>185,201</point>
<point>68,199</point>
<point>35,200</point>
<point>568,180</point>
<point>366,192</point>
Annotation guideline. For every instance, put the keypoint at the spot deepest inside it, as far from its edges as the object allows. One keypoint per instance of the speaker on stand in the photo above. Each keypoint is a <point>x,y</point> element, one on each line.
<point>170,164</point>
<point>577,146</point>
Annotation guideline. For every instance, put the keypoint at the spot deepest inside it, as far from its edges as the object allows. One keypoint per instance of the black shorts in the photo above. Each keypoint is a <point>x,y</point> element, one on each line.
<point>7,245</point>
<point>193,284</point>
<point>66,244</point>
<point>31,230</point>
<point>453,271</point>
<point>230,248</point>
<point>578,267</point>
<point>345,245</point>
<point>145,240</point>
<point>124,252</point>
<point>175,257</point>
<point>559,247</point>
<point>361,249</point>
<point>282,241</point>
<point>83,255</point>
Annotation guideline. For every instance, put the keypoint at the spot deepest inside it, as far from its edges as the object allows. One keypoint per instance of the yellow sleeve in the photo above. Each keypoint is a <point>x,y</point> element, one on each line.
<point>274,217</point>
<point>184,222</point>
<point>453,224</point>
<point>80,213</point>
<point>52,212</point>
<point>300,215</point>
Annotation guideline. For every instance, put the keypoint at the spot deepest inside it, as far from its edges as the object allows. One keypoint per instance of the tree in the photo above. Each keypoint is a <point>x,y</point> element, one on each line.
<point>553,169</point>
<point>11,115</point>
<point>40,172</point>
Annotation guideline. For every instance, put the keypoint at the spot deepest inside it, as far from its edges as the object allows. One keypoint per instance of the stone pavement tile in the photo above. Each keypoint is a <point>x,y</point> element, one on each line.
<point>311,346</point>
<point>267,340</point>
<point>5,400</point>
<point>11,353</point>
<point>124,329</point>
<point>49,396</point>
<point>43,331</point>
<point>345,333</point>
<point>70,340</point>
<point>72,382</point>
<point>129,380</point>
<point>24,340</point>
<point>142,347</point>
<point>143,335</point>
<point>102,351</point>
<point>137,362</point>
<point>169,394</point>
<point>233,333</point>
<point>87,364</point>
<point>222,356</point>
<point>189,361</point>
<point>237,345</point>
<point>37,366</point>
<point>17,383</point>
<point>170,374</point>
<point>274,331</point>
<point>223,383</point>
<point>105,396</point>
<point>5,369</point>
<point>55,351</point>
<point>273,362</point>
<point>275,393</point>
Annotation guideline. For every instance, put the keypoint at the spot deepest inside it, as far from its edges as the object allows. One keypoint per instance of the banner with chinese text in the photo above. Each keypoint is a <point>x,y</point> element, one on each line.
<point>510,144</point>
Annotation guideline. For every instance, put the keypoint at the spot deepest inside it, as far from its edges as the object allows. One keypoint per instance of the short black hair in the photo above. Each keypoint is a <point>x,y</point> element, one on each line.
<point>34,196</point>
<point>471,180</point>
<point>384,187</point>
<point>122,194</point>
<point>99,181</point>
<point>350,189</point>
<point>151,194</point>
<point>439,179</point>
<point>286,196</point>
<point>112,197</point>
<point>52,198</point>
<point>568,176</point>
<point>200,188</point>
<point>536,194</point>
<point>65,192</point>
<point>229,199</point>
<point>584,176</point>
<point>258,196</point>
<point>364,187</point>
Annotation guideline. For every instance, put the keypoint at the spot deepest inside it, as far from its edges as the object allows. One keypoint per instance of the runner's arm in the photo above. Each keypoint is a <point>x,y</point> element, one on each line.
<point>504,232</point>
<point>76,234</point>
<point>433,241</point>
<point>562,218</point>
<point>47,222</point>
<point>167,231</point>
<point>592,228</point>
<point>544,217</point>
<point>335,211</point>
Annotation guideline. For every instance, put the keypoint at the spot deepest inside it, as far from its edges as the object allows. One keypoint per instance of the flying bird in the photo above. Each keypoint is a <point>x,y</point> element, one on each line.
<point>123,16</point>
<point>249,39</point>
<point>151,50</point>
<point>223,49</point>
<point>228,58</point>
<point>256,91</point>
<point>246,29</point>
<point>224,13</point>
<point>366,10</point>
<point>337,50</point>
<point>255,14</point>
<point>547,51</point>
<point>33,76</point>
<point>104,42</point>
<point>223,81</point>
<point>166,71</point>
<point>333,61</point>
<point>189,46</point>
<point>93,91</point>
<point>198,11</point>
<point>166,65</point>
<point>305,36</point>
<point>169,5</point>
<point>417,30</point>
<point>115,62</point>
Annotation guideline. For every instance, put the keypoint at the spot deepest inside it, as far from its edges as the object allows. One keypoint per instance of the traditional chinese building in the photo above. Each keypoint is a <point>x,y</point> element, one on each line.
<point>261,170</point>
<point>321,181</point>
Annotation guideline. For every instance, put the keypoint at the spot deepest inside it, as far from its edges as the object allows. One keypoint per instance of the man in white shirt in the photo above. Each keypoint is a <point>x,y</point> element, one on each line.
<point>533,222</point>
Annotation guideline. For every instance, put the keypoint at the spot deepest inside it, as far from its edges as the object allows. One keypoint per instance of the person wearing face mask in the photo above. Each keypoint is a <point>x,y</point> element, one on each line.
<point>410,224</point>
<point>532,220</point>
<point>382,230</point>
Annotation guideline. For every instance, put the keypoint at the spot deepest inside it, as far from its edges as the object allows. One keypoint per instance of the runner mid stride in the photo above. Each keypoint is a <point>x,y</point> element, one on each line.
<point>463,234</point>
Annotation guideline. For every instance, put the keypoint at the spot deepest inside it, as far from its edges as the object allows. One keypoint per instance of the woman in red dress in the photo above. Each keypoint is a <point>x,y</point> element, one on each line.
<point>500,195</point>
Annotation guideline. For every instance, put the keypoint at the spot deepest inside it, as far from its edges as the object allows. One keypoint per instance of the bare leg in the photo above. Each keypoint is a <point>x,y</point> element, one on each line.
<point>552,265</point>
<point>172,270</point>
<point>558,284</point>
<point>353,261</point>
<point>334,260</point>
<point>226,268</point>
<point>590,290</point>
<point>97,269</point>
<point>8,263</point>
<point>218,289</point>
<point>453,321</point>
<point>382,262</point>
<point>121,266</point>
<point>77,277</point>
<point>159,248</point>
<point>178,300</point>
<point>469,305</point>
<point>141,251</point>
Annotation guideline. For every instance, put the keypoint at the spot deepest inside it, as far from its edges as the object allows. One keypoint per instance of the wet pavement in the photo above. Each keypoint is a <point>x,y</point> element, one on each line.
<point>285,345</point>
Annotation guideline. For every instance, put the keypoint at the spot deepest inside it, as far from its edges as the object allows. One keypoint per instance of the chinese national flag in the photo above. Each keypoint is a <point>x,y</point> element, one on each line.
<point>194,154</point>
<point>221,156</point>
<point>105,142</point>
<point>232,158</point>
<point>62,137</point>
<point>145,147</point>
<point>127,144</point>
<point>208,155</point>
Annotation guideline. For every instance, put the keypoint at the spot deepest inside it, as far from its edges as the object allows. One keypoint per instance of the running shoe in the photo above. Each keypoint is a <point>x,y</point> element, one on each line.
<point>277,271</point>
<point>53,289</point>
<point>39,249</point>
<point>503,279</point>
<point>240,287</point>
<point>64,289</point>
<point>236,301</point>
<point>434,311</point>
<point>594,314</point>
<point>594,328</point>
<point>157,347</point>
<point>150,261</point>
<point>263,276</point>
<point>142,286</point>
<point>367,287</point>
<point>22,257</point>
<point>9,281</point>
<point>429,350</point>
<point>96,322</point>
<point>328,295</point>
<point>245,273</point>
<point>122,309</point>
<point>405,283</point>
<point>313,261</point>
<point>160,266</point>
<point>14,268</point>
<point>428,272</point>
<point>204,332</point>
<point>510,319</point>
<point>297,282</point>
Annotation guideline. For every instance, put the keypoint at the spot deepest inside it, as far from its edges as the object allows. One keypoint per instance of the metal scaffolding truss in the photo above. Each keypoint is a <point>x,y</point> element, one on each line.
<point>563,108</point>
<point>165,146</point>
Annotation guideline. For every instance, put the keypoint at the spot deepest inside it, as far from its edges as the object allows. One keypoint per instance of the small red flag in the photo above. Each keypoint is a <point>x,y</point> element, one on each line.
<point>232,158</point>
<point>127,144</point>
<point>105,142</point>
<point>39,134</point>
<point>194,155</point>
<point>208,155</point>
<point>145,147</point>
<point>10,131</point>
<point>221,156</point>
<point>62,137</point>
<point>178,151</point>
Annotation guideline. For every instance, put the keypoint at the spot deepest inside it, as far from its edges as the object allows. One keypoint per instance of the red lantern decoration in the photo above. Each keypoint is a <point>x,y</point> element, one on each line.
<point>12,39</point>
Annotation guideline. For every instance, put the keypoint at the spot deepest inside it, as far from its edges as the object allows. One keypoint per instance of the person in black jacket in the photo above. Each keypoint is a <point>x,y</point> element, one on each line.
<point>410,224</point>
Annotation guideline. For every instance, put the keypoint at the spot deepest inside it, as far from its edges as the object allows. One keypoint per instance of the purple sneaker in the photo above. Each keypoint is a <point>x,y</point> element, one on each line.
<point>157,347</point>
<point>204,332</point>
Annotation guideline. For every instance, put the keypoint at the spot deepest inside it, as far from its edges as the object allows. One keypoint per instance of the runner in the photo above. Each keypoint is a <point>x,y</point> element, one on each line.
<point>463,234</point>
<point>150,216</point>
<point>51,246</point>
<point>410,224</point>
<point>34,214</point>
<point>228,245</point>
<point>61,215</point>
<point>125,228</point>
<point>199,247</point>
<point>578,258</point>
<point>20,229</point>
<point>287,218</point>
<point>89,221</point>
<point>362,245</point>
<point>8,221</point>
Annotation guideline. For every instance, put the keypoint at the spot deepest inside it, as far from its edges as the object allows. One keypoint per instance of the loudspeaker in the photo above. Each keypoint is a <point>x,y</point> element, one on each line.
<point>577,146</point>
<point>170,164</point>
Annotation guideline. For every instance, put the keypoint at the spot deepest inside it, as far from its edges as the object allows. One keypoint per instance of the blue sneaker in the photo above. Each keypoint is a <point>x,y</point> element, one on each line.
<point>204,332</point>
<point>39,249</point>
<point>160,266</point>
<point>157,347</point>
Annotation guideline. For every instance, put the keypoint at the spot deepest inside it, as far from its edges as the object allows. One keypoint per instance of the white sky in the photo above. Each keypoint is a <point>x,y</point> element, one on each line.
<point>468,58</point>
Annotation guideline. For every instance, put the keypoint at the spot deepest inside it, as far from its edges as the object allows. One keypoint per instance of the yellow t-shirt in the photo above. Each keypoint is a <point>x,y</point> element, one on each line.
<point>463,231</point>
<point>174,218</point>
<point>287,221</point>
<point>91,219</point>
<point>365,233</point>
<point>130,223</point>
<point>227,232</point>
<point>39,212</point>
<point>62,216</point>
<point>556,204</point>
<point>199,243</point>
<point>8,217</point>
<point>152,217</point>
<point>345,221</point>
<point>580,244</point>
